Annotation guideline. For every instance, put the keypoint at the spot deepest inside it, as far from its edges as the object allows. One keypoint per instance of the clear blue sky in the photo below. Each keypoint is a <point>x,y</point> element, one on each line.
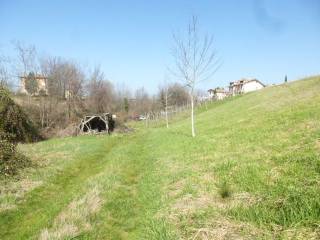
<point>131,40</point>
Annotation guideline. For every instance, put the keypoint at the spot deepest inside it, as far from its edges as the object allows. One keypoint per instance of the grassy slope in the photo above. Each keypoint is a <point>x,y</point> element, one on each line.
<point>261,148</point>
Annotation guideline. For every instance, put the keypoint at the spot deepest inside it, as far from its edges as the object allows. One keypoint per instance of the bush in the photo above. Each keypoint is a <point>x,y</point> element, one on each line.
<point>14,121</point>
<point>10,159</point>
<point>15,127</point>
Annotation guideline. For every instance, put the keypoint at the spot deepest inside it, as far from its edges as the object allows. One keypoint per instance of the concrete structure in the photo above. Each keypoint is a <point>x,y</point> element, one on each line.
<point>218,93</point>
<point>244,86</point>
<point>98,123</point>
<point>42,84</point>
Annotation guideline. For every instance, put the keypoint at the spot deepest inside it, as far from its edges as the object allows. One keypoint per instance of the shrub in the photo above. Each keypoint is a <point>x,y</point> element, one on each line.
<point>31,83</point>
<point>14,127</point>
<point>14,121</point>
<point>10,159</point>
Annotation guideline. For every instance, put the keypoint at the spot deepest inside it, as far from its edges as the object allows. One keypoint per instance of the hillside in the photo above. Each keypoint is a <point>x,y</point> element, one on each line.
<point>252,172</point>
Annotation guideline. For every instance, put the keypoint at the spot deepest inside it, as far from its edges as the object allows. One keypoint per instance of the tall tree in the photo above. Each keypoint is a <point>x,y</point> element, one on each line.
<point>143,103</point>
<point>195,60</point>
<point>178,94</point>
<point>27,58</point>
<point>4,73</point>
<point>164,96</point>
<point>65,85</point>
<point>31,84</point>
<point>126,105</point>
<point>100,93</point>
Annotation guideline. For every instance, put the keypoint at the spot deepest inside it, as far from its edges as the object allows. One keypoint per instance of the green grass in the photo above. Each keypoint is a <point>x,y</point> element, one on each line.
<point>252,172</point>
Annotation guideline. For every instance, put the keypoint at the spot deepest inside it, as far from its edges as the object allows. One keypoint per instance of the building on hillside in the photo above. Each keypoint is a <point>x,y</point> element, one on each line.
<point>41,82</point>
<point>67,94</point>
<point>203,98</point>
<point>218,93</point>
<point>244,86</point>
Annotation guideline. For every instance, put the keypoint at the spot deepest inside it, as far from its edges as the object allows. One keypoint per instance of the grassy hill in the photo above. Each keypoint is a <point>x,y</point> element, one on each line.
<point>252,172</point>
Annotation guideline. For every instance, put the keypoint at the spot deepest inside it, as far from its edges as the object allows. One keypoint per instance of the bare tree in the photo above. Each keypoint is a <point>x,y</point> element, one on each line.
<point>166,101</point>
<point>100,93</point>
<point>63,101</point>
<point>164,96</point>
<point>122,96</point>
<point>143,102</point>
<point>178,94</point>
<point>53,69</point>
<point>27,57</point>
<point>4,73</point>
<point>171,95</point>
<point>195,60</point>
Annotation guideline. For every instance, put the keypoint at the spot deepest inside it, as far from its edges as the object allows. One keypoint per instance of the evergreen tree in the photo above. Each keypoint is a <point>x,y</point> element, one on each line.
<point>162,99</point>
<point>126,104</point>
<point>285,79</point>
<point>31,84</point>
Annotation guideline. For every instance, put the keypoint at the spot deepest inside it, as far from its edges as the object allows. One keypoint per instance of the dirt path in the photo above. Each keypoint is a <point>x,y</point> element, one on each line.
<point>41,205</point>
<point>122,174</point>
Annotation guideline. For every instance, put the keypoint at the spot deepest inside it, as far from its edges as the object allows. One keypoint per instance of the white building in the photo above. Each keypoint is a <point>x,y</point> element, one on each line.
<point>244,86</point>
<point>218,93</point>
<point>41,84</point>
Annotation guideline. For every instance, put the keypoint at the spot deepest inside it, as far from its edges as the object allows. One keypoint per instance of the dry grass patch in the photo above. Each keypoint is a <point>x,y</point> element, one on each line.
<point>189,204</point>
<point>75,219</point>
<point>43,160</point>
<point>274,174</point>
<point>244,199</point>
<point>225,229</point>
<point>176,188</point>
<point>185,214</point>
<point>300,234</point>
<point>13,191</point>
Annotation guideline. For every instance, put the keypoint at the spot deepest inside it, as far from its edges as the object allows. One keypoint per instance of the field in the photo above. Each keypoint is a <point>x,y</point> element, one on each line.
<point>252,172</point>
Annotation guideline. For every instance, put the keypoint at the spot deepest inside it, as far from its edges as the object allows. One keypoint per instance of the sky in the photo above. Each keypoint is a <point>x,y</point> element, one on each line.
<point>132,40</point>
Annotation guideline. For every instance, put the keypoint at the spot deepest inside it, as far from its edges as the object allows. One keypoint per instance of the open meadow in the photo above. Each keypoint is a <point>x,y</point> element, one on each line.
<point>252,172</point>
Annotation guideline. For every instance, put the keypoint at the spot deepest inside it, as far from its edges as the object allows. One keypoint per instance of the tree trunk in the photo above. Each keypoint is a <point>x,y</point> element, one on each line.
<point>167,121</point>
<point>146,120</point>
<point>192,114</point>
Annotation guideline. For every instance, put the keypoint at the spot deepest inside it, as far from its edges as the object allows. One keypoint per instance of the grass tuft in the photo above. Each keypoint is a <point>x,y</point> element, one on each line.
<point>224,189</point>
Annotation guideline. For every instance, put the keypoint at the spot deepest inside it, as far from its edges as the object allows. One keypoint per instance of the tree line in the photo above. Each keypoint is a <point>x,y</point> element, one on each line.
<point>73,91</point>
